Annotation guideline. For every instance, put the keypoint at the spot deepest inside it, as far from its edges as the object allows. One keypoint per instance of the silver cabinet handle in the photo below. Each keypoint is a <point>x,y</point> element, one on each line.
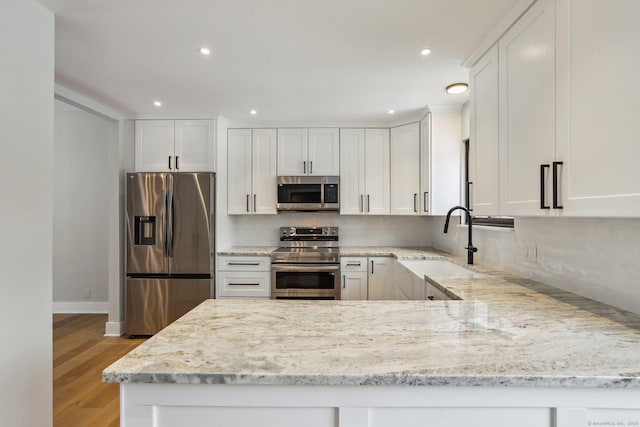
<point>304,167</point>
<point>247,203</point>
<point>243,284</point>
<point>426,202</point>
<point>415,202</point>
<point>243,263</point>
<point>254,202</point>
<point>368,203</point>
<point>361,203</point>
<point>344,281</point>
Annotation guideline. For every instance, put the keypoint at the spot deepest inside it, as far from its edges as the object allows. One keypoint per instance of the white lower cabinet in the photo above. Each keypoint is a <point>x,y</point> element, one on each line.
<point>244,277</point>
<point>367,278</point>
<point>354,278</point>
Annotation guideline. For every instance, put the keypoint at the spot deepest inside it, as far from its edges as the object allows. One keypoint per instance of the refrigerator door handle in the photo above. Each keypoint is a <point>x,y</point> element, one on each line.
<point>165,210</point>
<point>170,224</point>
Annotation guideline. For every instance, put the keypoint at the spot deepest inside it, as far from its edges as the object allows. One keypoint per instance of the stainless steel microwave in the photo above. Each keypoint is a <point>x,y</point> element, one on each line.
<point>308,193</point>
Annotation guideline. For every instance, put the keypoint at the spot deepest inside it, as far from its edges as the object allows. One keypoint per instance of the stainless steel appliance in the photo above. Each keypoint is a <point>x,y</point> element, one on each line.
<point>170,244</point>
<point>308,193</point>
<point>307,265</point>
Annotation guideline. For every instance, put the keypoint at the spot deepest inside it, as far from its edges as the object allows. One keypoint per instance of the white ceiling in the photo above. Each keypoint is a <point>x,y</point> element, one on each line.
<point>294,61</point>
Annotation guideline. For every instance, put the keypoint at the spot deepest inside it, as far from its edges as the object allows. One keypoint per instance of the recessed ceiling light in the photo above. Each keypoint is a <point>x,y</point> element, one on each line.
<point>253,112</point>
<point>457,88</point>
<point>205,51</point>
<point>157,103</point>
<point>391,111</point>
<point>426,51</point>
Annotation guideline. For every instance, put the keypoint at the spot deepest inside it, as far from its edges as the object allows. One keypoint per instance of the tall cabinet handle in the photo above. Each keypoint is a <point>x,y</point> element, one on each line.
<point>542,187</point>
<point>344,281</point>
<point>556,190</point>
<point>247,203</point>
<point>415,202</point>
<point>368,202</point>
<point>362,203</point>
<point>304,167</point>
<point>371,266</point>
<point>169,162</point>
<point>177,158</point>
<point>426,202</point>
<point>254,203</point>
<point>311,166</point>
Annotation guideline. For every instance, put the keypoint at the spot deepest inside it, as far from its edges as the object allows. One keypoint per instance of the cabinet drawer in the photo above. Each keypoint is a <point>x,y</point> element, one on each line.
<point>353,264</point>
<point>244,284</point>
<point>243,263</point>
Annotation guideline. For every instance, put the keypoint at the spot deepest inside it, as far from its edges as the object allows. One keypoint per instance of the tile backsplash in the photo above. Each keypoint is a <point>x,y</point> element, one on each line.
<point>594,257</point>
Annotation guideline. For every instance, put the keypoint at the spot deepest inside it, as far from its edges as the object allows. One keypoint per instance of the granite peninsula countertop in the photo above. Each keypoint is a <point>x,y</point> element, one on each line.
<point>506,331</point>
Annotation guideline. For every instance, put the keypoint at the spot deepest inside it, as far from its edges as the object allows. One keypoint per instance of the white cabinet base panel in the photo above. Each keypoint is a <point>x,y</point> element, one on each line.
<point>200,405</point>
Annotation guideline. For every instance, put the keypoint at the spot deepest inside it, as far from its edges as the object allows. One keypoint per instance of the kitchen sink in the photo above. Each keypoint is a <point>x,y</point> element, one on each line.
<point>438,267</point>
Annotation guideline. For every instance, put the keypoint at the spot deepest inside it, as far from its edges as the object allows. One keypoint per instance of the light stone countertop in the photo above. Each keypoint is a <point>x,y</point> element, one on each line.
<point>248,251</point>
<point>507,331</point>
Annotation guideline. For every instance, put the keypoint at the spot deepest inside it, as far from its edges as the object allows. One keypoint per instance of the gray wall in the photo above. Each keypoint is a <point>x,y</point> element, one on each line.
<point>81,208</point>
<point>594,257</point>
<point>26,120</point>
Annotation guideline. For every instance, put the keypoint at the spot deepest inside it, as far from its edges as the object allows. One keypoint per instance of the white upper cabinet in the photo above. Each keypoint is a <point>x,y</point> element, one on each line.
<point>597,124</point>
<point>324,152</point>
<point>527,111</point>
<point>364,171</point>
<point>251,156</point>
<point>484,149</point>
<point>309,152</point>
<point>405,169</point>
<point>444,161</point>
<point>175,146</point>
<point>293,152</point>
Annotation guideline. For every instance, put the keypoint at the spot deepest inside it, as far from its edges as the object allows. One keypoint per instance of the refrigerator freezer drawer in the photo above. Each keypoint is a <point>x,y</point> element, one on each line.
<point>152,304</point>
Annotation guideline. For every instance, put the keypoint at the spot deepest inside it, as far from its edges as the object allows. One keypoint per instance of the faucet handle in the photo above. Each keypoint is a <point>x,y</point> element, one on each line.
<point>471,248</point>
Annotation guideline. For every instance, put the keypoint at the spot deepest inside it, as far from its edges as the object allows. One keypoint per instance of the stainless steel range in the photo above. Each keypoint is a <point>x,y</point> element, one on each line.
<point>307,265</point>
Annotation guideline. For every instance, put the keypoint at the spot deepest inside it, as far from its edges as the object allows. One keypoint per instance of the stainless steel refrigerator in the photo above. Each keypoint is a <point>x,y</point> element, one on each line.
<point>170,247</point>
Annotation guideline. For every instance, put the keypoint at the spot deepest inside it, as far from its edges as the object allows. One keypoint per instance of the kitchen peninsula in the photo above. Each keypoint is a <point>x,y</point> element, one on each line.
<point>511,352</point>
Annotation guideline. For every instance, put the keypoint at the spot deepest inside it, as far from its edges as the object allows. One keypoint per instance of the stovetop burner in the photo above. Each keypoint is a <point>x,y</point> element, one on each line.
<point>307,245</point>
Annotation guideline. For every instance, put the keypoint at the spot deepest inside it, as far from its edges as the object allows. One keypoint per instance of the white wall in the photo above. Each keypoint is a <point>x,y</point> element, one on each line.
<point>26,120</point>
<point>354,230</point>
<point>593,257</point>
<point>81,209</point>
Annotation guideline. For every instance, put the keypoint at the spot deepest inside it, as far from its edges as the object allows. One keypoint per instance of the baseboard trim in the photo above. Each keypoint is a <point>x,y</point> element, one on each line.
<point>80,307</point>
<point>114,329</point>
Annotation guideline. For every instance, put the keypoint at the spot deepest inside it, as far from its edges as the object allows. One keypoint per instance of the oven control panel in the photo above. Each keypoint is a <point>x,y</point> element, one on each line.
<point>307,233</point>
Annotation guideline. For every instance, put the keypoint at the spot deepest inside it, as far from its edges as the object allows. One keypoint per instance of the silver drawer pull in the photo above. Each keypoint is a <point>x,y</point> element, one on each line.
<point>244,284</point>
<point>244,263</point>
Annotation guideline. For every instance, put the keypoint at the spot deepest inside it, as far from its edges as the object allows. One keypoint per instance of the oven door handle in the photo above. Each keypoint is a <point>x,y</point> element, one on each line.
<point>305,267</point>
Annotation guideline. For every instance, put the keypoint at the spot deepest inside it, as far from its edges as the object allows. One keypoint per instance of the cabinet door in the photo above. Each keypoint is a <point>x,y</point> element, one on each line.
<point>354,285</point>
<point>600,175</point>
<point>376,166</point>
<point>293,152</point>
<point>425,165</point>
<point>484,151</point>
<point>324,152</point>
<point>405,169</point>
<point>264,171</point>
<point>527,109</point>
<point>195,147</point>
<point>381,281</point>
<point>239,171</point>
<point>154,146</point>
<point>446,145</point>
<point>352,171</point>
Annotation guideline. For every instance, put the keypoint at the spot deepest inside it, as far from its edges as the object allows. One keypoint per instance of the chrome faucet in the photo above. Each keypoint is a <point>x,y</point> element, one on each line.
<point>470,249</point>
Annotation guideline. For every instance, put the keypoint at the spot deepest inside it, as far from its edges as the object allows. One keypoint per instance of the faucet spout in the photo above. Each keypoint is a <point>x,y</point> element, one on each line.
<point>470,248</point>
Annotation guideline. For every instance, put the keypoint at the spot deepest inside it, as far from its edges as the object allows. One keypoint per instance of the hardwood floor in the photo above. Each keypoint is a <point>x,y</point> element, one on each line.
<point>80,353</point>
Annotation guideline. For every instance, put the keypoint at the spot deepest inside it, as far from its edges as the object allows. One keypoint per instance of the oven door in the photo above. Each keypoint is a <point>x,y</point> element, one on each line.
<point>305,281</point>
